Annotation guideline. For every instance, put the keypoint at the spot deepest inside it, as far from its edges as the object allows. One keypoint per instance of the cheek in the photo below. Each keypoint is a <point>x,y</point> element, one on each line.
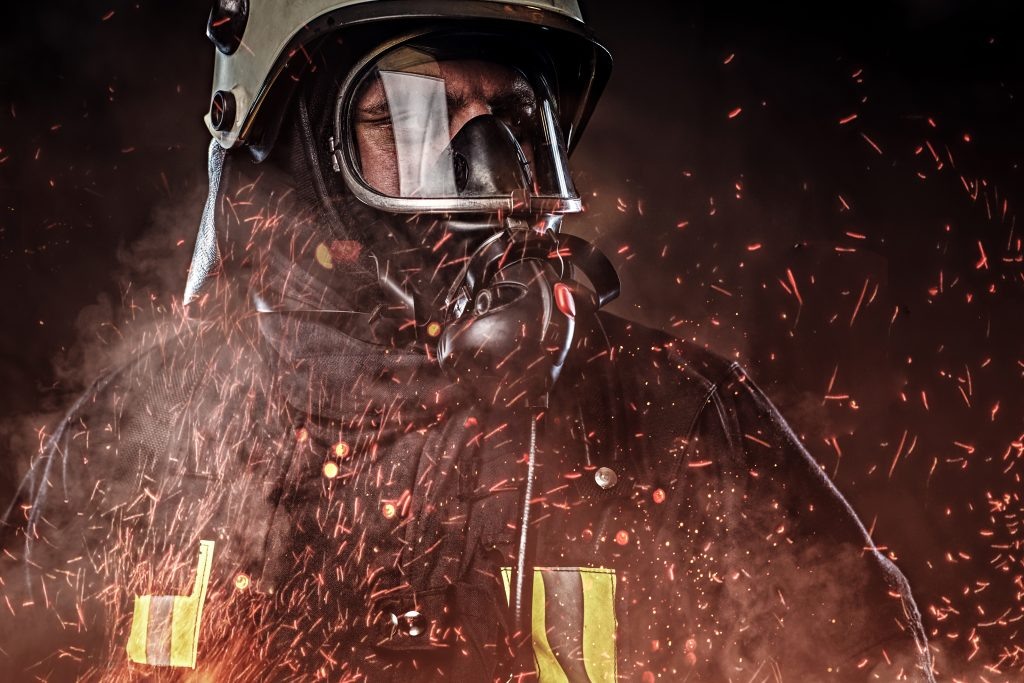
<point>377,159</point>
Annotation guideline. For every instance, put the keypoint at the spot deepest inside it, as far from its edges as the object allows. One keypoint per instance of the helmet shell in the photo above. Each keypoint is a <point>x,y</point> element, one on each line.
<point>268,33</point>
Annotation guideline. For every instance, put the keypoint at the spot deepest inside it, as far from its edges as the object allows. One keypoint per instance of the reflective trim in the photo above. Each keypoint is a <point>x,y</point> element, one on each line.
<point>599,624</point>
<point>140,624</point>
<point>206,256</point>
<point>165,628</point>
<point>158,639</point>
<point>573,610</point>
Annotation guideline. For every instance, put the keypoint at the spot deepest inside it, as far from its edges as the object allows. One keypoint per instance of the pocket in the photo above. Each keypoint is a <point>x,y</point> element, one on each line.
<point>165,628</point>
<point>573,623</point>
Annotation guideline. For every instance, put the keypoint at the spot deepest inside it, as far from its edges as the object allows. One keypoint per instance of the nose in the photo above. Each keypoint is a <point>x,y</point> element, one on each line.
<point>484,159</point>
<point>469,111</point>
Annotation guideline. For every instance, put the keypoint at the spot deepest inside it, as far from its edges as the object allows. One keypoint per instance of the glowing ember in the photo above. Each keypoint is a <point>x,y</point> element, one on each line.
<point>323,256</point>
<point>330,469</point>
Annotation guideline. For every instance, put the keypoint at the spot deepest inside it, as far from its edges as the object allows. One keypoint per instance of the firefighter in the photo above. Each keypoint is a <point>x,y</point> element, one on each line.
<point>396,438</point>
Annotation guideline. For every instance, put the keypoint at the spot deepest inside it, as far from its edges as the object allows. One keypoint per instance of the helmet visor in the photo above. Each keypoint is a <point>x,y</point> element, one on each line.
<point>453,124</point>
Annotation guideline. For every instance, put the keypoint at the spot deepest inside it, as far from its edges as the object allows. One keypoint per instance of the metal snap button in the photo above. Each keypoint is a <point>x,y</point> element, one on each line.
<point>605,477</point>
<point>412,623</point>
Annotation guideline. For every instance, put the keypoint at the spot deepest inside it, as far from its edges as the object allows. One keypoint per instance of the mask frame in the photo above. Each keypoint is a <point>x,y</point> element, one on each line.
<point>344,154</point>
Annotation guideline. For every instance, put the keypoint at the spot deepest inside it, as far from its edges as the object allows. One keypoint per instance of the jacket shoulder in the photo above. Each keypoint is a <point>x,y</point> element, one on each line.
<point>116,428</point>
<point>658,393</point>
<point>697,363</point>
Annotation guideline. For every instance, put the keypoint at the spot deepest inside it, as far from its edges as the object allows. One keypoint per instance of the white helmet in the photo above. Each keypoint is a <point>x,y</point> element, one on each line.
<point>261,45</point>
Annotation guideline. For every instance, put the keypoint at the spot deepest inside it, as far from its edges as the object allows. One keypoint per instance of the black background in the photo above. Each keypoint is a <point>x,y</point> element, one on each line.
<point>897,229</point>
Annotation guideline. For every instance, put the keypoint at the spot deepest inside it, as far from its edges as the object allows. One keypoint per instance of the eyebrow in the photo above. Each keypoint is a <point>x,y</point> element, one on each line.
<point>521,96</point>
<point>378,106</point>
<point>455,100</point>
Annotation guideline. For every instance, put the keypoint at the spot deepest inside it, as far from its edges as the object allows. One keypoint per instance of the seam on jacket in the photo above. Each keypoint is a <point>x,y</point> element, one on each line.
<point>712,389</point>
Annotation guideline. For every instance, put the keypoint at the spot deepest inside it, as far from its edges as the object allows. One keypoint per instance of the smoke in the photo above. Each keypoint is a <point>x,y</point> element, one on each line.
<point>100,162</point>
<point>750,220</point>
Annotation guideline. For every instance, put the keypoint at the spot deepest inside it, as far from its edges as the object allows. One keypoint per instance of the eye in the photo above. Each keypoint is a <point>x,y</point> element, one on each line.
<point>374,120</point>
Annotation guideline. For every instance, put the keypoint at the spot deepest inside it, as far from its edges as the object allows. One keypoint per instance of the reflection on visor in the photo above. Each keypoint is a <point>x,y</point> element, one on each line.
<point>419,118</point>
<point>430,124</point>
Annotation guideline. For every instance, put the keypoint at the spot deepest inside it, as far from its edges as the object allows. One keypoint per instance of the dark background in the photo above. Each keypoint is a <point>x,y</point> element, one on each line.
<point>868,273</point>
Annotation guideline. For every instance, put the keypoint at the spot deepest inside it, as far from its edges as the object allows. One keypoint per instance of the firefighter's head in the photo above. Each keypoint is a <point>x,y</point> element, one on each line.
<point>425,65</point>
<point>418,130</point>
<point>423,123</point>
<point>463,111</point>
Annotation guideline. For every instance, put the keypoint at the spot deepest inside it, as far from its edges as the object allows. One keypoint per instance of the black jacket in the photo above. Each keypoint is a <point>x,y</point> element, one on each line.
<point>362,509</point>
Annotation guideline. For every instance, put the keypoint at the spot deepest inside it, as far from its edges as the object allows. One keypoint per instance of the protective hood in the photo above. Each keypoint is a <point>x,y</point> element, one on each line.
<point>331,277</point>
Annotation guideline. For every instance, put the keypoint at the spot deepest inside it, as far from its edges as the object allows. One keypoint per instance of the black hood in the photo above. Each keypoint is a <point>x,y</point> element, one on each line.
<point>379,260</point>
<point>309,256</point>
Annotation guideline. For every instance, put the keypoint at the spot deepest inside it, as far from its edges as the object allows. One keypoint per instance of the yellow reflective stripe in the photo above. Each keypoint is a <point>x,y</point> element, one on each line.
<point>599,624</point>
<point>506,578</point>
<point>188,612</point>
<point>548,668</point>
<point>186,618</point>
<point>184,632</point>
<point>599,604</point>
<point>140,625</point>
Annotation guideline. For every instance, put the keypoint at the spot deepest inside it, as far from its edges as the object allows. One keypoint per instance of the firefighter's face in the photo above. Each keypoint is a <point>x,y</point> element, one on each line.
<point>470,88</point>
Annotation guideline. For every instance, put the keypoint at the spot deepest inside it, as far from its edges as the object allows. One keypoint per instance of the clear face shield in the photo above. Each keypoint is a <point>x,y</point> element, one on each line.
<point>454,124</point>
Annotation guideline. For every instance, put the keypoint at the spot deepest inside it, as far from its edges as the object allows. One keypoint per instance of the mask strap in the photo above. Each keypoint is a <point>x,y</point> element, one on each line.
<point>206,257</point>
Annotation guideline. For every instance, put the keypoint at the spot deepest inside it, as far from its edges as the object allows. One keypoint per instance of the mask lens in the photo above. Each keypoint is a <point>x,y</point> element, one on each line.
<point>431,122</point>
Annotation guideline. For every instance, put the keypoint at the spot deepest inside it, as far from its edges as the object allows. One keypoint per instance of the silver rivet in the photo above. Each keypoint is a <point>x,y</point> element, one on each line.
<point>605,477</point>
<point>483,302</point>
<point>412,623</point>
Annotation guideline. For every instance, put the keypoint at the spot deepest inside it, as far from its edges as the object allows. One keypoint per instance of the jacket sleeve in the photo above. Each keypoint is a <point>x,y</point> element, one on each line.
<point>81,536</point>
<point>52,566</point>
<point>811,594</point>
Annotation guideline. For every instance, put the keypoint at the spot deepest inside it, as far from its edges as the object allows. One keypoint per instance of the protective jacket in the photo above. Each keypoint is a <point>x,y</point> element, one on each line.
<point>361,510</point>
<point>291,496</point>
